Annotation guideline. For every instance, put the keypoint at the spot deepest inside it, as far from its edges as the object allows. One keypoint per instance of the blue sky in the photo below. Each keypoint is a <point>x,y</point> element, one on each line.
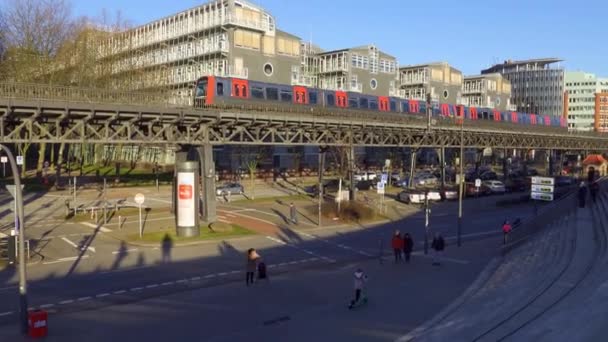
<point>469,34</point>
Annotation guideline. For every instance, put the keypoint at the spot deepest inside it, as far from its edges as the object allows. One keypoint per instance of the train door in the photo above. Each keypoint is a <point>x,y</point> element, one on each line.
<point>341,99</point>
<point>300,95</point>
<point>240,88</point>
<point>383,104</point>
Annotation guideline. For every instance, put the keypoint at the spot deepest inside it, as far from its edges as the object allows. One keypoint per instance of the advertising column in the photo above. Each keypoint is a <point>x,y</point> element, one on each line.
<point>187,199</point>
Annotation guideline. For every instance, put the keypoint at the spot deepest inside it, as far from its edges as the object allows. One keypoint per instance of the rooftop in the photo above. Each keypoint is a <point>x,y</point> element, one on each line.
<point>540,62</point>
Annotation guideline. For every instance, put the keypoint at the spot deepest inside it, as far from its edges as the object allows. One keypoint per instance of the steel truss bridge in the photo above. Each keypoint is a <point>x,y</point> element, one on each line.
<point>34,113</point>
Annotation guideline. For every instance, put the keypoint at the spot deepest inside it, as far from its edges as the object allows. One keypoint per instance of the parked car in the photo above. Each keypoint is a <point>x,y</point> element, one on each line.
<point>449,194</point>
<point>402,183</point>
<point>472,190</point>
<point>425,179</point>
<point>564,181</point>
<point>496,187</point>
<point>418,196</point>
<point>359,176</point>
<point>229,189</point>
<point>532,172</point>
<point>365,185</point>
<point>488,175</point>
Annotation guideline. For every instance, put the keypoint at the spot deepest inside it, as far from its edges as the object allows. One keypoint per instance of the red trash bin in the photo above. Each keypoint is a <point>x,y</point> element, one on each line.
<point>37,323</point>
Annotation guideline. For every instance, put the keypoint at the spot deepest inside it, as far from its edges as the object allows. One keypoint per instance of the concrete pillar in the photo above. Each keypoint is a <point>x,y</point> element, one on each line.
<point>551,162</point>
<point>505,169</point>
<point>187,199</point>
<point>413,153</point>
<point>351,172</point>
<point>442,165</point>
<point>207,172</point>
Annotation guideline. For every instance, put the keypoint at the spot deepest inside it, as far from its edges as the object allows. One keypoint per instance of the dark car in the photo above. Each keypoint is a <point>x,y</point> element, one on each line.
<point>516,184</point>
<point>564,181</point>
<point>488,175</point>
<point>473,191</point>
<point>365,185</point>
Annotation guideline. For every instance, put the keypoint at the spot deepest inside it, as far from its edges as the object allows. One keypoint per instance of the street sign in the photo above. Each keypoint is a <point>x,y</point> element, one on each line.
<point>543,180</point>
<point>19,160</point>
<point>542,188</point>
<point>11,189</point>
<point>477,183</point>
<point>4,159</point>
<point>384,178</point>
<point>381,188</point>
<point>140,198</point>
<point>541,196</point>
<point>487,152</point>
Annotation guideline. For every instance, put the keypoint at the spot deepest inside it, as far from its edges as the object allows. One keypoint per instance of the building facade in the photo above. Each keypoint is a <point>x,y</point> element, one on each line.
<point>487,91</point>
<point>536,86</point>
<point>580,89</point>
<point>601,112</point>
<point>441,80</point>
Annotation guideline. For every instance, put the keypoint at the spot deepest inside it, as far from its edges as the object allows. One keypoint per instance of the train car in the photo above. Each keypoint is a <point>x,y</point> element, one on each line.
<point>212,90</point>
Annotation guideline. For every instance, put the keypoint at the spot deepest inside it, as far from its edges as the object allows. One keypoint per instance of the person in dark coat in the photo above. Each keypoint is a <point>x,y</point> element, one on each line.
<point>251,265</point>
<point>408,246</point>
<point>439,246</point>
<point>594,189</point>
<point>582,195</point>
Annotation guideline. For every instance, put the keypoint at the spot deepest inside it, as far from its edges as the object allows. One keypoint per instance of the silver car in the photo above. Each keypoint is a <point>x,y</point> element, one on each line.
<point>229,188</point>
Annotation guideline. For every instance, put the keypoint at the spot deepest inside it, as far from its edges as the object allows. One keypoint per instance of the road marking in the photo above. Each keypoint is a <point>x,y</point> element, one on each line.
<point>430,256</point>
<point>82,299</point>
<point>65,260</point>
<point>134,289</point>
<point>234,272</point>
<point>222,217</point>
<point>101,295</point>
<point>125,251</point>
<point>181,281</point>
<point>316,237</point>
<point>195,278</point>
<point>76,246</point>
<point>221,274</point>
<point>151,286</point>
<point>224,221</point>
<point>46,306</point>
<point>210,276</point>
<point>2,314</point>
<point>167,283</point>
<point>158,200</point>
<point>101,228</point>
<point>330,260</point>
<point>119,292</point>
<point>69,301</point>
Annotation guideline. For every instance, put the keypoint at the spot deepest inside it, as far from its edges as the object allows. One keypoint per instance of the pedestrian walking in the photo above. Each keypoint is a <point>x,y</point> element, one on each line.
<point>594,189</point>
<point>397,244</point>
<point>438,245</point>
<point>251,265</point>
<point>262,274</point>
<point>360,279</point>
<point>582,195</point>
<point>293,213</point>
<point>506,230</point>
<point>408,246</point>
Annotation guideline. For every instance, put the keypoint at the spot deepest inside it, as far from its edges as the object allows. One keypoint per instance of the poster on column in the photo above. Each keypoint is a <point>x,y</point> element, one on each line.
<point>186,212</point>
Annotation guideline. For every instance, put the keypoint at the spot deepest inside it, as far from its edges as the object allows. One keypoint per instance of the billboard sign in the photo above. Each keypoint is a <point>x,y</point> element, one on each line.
<point>186,212</point>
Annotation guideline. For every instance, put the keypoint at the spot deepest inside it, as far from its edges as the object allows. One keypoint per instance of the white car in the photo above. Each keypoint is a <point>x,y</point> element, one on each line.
<point>425,179</point>
<point>361,176</point>
<point>496,187</point>
<point>417,197</point>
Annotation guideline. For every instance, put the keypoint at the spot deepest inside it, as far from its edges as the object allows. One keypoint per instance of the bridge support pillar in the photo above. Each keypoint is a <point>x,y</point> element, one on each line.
<point>524,159</point>
<point>351,172</point>
<point>551,162</point>
<point>413,153</point>
<point>208,198</point>
<point>505,169</point>
<point>442,165</point>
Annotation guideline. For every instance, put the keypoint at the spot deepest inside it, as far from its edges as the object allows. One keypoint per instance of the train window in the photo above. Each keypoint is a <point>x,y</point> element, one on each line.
<point>331,100</point>
<point>312,98</point>
<point>243,91</point>
<point>363,103</point>
<point>286,95</point>
<point>257,92</point>
<point>393,106</point>
<point>201,88</point>
<point>300,97</point>
<point>220,89</point>
<point>272,94</point>
<point>373,105</point>
<point>237,90</point>
<point>352,103</point>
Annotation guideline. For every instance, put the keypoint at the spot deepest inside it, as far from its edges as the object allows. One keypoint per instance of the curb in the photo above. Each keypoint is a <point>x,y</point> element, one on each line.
<point>477,284</point>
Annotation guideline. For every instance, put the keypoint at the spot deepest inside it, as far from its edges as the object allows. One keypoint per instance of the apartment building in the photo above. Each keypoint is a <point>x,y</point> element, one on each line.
<point>487,91</point>
<point>601,112</point>
<point>441,80</point>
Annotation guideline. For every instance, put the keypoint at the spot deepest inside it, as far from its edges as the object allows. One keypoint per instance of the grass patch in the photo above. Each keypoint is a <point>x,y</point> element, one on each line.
<point>205,235</point>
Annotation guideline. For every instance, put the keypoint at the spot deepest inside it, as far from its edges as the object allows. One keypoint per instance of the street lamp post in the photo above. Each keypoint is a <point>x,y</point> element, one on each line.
<point>21,245</point>
<point>460,183</point>
<point>427,211</point>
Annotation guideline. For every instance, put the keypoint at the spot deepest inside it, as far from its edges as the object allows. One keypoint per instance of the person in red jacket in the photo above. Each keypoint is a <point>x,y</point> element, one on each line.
<point>397,244</point>
<point>506,230</point>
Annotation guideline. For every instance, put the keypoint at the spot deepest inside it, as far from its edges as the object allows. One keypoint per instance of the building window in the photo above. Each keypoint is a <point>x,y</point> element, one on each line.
<point>373,83</point>
<point>268,69</point>
<point>446,94</point>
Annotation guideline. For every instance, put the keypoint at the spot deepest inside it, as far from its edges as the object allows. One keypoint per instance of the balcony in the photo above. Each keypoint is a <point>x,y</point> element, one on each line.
<point>242,22</point>
<point>396,93</point>
<point>473,90</point>
<point>358,87</point>
<point>306,81</point>
<point>413,80</point>
<point>232,71</point>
